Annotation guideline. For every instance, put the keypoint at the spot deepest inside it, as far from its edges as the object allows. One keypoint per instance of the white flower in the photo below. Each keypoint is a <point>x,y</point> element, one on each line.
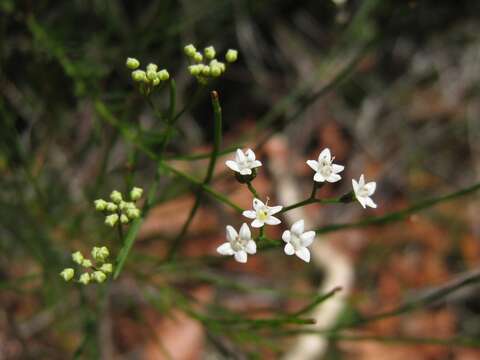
<point>262,214</point>
<point>297,241</point>
<point>325,169</point>
<point>244,162</point>
<point>364,191</point>
<point>238,245</point>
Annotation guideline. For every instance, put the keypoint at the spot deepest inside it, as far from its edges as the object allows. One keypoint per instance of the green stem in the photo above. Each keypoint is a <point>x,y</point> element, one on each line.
<point>310,201</point>
<point>399,215</point>
<point>252,190</point>
<point>217,110</point>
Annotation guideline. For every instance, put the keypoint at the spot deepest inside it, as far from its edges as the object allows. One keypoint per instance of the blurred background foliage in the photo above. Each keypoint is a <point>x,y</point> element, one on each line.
<point>391,86</point>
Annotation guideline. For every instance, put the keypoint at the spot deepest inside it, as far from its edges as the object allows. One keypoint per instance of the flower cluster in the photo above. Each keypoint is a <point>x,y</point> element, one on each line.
<point>96,269</point>
<point>149,78</point>
<point>118,209</point>
<point>297,239</point>
<point>205,66</point>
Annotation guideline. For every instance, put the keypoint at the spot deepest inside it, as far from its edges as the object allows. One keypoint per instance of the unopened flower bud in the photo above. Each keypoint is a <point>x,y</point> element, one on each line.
<point>111,220</point>
<point>163,75</point>
<point>99,276</point>
<point>86,263</point>
<point>124,219</point>
<point>231,55</point>
<point>198,57</point>
<point>152,67</point>
<point>132,63</point>
<point>215,70</point>
<point>139,76</point>
<point>67,274</point>
<point>133,213</point>
<point>111,207</point>
<point>100,204</point>
<point>222,66</point>
<point>206,70</point>
<point>84,278</point>
<point>156,81</point>
<point>209,52</point>
<point>194,70</point>
<point>136,193</point>
<point>77,257</point>
<point>190,50</point>
<point>100,253</point>
<point>151,75</point>
<point>116,196</point>
<point>107,268</point>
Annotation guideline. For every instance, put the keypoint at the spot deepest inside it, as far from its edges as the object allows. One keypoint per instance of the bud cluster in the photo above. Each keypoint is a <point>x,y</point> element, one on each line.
<point>119,210</point>
<point>148,78</point>
<point>96,269</point>
<point>205,66</point>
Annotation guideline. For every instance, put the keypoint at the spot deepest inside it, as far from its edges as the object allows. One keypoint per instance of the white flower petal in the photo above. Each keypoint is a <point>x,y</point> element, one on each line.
<point>355,185</point>
<point>245,171</point>
<point>337,168</point>
<point>257,223</point>
<point>239,156</point>
<point>225,249</point>
<point>318,177</point>
<point>250,155</point>
<point>286,236</point>
<point>231,233</point>
<point>307,238</point>
<point>333,178</point>
<point>325,155</point>
<point>272,220</point>
<point>255,164</point>
<point>272,210</point>
<point>251,247</point>
<point>313,164</point>
<point>241,256</point>
<point>232,165</point>
<point>258,204</point>
<point>251,214</point>
<point>298,226</point>
<point>371,186</point>
<point>304,254</point>
<point>369,202</point>
<point>289,249</point>
<point>245,232</point>
<point>361,181</point>
<point>362,201</point>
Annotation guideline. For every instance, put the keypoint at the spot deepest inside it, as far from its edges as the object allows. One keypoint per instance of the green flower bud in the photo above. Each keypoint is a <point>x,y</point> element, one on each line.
<point>209,52</point>
<point>231,55</point>
<point>156,81</point>
<point>84,278</point>
<point>152,67</point>
<point>194,70</point>
<point>132,63</point>
<point>107,268</point>
<point>77,257</point>
<point>111,207</point>
<point>100,204</point>
<point>222,66</point>
<point>151,75</point>
<point>206,70</point>
<point>86,263</point>
<point>116,196</point>
<point>124,219</point>
<point>163,75</point>
<point>133,213</point>
<point>111,220</point>
<point>190,50</point>
<point>139,76</point>
<point>99,276</point>
<point>136,193</point>
<point>198,57</point>
<point>100,253</point>
<point>67,274</point>
<point>215,70</point>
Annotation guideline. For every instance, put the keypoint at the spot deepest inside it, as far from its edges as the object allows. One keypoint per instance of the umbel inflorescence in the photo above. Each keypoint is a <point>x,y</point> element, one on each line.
<point>297,240</point>
<point>96,269</point>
